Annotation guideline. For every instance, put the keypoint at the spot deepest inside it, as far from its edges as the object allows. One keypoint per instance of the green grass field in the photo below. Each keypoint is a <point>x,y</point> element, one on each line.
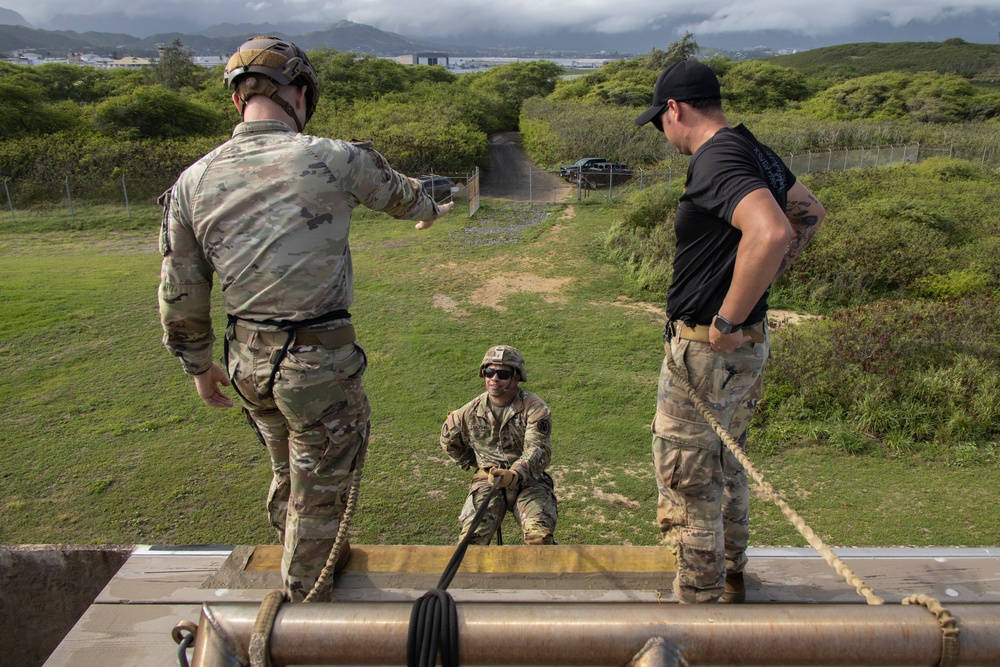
<point>104,440</point>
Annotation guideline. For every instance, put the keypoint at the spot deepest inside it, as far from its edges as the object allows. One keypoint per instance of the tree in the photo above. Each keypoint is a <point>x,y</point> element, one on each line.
<point>175,70</point>
<point>510,85</point>
<point>677,51</point>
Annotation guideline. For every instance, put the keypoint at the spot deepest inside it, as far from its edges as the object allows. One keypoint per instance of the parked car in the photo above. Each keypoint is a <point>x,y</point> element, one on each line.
<point>596,171</point>
<point>440,188</point>
<point>571,171</point>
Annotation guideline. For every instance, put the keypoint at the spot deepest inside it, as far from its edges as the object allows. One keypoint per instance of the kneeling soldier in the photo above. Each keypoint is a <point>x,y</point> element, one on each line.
<point>504,432</point>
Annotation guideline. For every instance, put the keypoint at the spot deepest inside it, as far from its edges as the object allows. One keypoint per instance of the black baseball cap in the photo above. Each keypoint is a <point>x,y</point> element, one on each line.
<point>682,81</point>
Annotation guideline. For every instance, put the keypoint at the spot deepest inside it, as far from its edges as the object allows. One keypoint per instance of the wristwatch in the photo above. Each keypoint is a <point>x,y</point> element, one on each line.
<point>724,325</point>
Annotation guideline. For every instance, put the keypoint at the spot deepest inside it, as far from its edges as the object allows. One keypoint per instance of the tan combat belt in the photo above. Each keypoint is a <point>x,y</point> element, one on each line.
<point>699,333</point>
<point>328,338</point>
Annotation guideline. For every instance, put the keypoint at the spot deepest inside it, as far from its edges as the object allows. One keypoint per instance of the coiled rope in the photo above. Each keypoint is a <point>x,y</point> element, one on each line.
<point>434,619</point>
<point>950,648</point>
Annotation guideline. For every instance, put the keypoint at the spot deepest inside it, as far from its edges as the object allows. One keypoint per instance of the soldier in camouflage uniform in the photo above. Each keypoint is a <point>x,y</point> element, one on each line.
<point>504,433</point>
<point>742,219</point>
<point>269,211</point>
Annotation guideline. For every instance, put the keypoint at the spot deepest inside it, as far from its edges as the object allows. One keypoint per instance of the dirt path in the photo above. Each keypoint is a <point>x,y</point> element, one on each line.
<point>512,175</point>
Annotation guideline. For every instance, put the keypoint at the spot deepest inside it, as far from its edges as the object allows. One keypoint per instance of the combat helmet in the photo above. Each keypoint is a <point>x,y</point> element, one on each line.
<point>263,63</point>
<point>504,355</point>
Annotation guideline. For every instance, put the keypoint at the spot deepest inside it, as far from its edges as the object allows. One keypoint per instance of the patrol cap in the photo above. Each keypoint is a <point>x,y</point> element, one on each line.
<point>504,355</point>
<point>682,81</point>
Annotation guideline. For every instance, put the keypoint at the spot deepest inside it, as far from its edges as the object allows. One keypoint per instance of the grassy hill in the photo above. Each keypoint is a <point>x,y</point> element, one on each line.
<point>979,62</point>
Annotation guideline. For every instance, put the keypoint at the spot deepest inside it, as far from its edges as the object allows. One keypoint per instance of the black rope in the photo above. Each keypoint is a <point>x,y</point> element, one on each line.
<point>434,619</point>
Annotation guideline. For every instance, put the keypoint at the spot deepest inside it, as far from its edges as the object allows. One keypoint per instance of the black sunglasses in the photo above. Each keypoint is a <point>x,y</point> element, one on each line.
<point>502,373</point>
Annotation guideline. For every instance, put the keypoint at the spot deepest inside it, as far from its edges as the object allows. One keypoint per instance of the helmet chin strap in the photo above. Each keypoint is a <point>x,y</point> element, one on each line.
<point>261,85</point>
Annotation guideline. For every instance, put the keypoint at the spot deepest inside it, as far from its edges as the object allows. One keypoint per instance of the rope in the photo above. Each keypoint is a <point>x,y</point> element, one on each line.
<point>434,619</point>
<point>768,492</point>
<point>260,654</point>
<point>950,648</point>
<point>260,638</point>
<point>326,576</point>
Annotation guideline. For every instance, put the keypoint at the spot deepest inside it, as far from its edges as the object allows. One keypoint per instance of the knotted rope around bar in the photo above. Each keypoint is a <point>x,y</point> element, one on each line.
<point>260,639</point>
<point>950,648</point>
<point>768,492</point>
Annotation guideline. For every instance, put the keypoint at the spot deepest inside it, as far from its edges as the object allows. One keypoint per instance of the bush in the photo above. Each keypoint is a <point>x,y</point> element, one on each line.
<point>897,376</point>
<point>154,112</point>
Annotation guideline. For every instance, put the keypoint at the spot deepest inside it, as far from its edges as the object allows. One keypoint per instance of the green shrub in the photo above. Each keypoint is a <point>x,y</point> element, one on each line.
<point>899,376</point>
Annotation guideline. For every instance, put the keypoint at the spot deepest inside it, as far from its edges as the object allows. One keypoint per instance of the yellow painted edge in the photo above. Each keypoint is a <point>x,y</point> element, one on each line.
<point>518,559</point>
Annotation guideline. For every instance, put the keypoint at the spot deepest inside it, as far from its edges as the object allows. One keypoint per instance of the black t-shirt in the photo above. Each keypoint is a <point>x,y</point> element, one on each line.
<point>723,170</point>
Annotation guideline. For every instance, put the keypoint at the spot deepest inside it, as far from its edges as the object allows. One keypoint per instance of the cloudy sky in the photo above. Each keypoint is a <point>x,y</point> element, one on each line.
<point>454,18</point>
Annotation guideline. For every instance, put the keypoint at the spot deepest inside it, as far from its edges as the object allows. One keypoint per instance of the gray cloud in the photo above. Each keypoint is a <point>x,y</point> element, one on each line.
<point>454,19</point>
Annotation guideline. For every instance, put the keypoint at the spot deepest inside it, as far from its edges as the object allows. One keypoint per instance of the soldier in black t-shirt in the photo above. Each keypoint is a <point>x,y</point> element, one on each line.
<point>743,218</point>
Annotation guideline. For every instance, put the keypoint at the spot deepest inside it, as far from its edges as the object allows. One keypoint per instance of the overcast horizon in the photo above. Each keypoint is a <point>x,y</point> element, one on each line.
<point>627,25</point>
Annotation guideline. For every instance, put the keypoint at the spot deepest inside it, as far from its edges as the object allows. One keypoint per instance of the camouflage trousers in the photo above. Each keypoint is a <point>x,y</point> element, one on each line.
<point>533,505</point>
<point>314,425</point>
<point>704,498</point>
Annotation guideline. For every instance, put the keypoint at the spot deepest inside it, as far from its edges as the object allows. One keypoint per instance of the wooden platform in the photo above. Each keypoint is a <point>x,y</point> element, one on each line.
<point>130,621</point>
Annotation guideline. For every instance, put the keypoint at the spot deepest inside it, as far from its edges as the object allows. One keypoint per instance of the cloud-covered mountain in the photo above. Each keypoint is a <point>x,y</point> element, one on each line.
<point>102,34</point>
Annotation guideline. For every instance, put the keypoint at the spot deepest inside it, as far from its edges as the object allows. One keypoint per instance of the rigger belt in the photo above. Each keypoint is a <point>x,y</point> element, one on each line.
<point>301,332</point>
<point>328,338</point>
<point>700,332</point>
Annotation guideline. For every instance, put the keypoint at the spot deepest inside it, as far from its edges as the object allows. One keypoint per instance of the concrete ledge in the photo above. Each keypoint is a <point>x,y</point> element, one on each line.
<point>46,589</point>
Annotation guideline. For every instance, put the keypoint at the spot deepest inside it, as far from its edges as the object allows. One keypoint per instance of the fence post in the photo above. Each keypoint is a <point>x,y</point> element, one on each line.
<point>892,149</point>
<point>916,156</point>
<point>10,202</point>
<point>878,154</point>
<point>904,153</point>
<point>791,163</point>
<point>829,161</point>
<point>809,162</point>
<point>70,197</point>
<point>847,152</point>
<point>611,181</point>
<point>530,202</point>
<point>128,209</point>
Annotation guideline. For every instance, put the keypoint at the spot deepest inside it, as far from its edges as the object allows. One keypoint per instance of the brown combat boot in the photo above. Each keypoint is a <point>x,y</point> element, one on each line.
<point>736,591</point>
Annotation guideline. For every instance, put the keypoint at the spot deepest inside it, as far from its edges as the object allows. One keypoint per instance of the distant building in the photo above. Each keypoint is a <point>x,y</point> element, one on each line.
<point>128,62</point>
<point>25,58</point>
<point>87,59</point>
<point>424,59</point>
<point>209,61</point>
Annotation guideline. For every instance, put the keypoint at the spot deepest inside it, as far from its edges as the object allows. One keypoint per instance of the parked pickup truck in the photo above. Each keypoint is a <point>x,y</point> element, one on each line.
<point>595,171</point>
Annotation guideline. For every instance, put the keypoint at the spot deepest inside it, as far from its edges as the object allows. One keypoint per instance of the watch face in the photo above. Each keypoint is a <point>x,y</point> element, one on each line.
<point>723,325</point>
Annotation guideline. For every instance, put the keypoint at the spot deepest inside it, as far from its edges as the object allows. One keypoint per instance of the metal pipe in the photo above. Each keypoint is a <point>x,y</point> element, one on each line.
<point>608,634</point>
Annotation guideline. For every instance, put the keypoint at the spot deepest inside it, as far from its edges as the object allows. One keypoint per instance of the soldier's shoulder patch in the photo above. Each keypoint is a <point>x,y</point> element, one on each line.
<point>449,423</point>
<point>544,426</point>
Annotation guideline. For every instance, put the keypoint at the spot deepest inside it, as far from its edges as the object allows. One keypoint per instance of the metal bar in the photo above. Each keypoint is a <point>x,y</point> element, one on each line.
<point>609,634</point>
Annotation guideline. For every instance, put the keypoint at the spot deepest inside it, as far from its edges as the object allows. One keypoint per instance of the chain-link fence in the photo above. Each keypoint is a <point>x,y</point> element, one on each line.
<point>578,190</point>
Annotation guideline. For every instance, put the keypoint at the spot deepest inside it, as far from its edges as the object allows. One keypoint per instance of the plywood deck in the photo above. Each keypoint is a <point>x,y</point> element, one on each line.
<point>130,621</point>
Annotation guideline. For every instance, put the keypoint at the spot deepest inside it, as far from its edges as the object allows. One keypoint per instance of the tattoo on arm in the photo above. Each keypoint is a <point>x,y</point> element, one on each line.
<point>805,223</point>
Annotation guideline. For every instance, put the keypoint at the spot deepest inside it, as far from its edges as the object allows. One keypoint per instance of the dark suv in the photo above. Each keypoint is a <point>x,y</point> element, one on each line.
<point>438,187</point>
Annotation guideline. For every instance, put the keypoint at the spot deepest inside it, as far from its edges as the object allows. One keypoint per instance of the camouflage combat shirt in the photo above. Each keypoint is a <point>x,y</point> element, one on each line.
<point>521,441</point>
<point>269,211</point>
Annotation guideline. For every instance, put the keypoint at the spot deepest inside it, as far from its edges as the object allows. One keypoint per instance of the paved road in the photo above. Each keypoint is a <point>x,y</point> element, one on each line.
<point>512,175</point>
